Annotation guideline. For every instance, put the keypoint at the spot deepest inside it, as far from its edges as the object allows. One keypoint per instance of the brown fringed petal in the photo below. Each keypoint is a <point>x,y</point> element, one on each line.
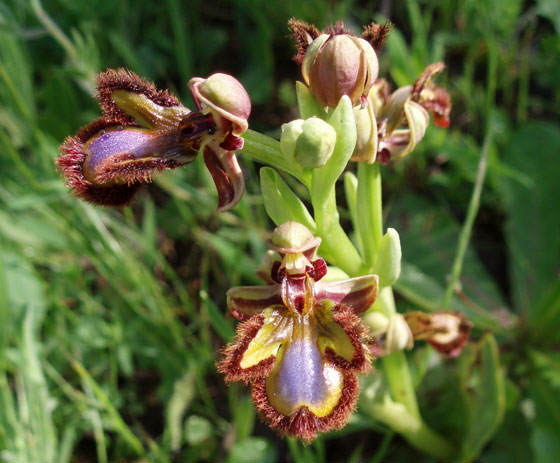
<point>122,79</point>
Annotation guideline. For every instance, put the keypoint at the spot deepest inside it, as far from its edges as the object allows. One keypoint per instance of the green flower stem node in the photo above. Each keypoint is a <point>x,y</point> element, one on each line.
<point>281,203</point>
<point>307,105</point>
<point>388,262</point>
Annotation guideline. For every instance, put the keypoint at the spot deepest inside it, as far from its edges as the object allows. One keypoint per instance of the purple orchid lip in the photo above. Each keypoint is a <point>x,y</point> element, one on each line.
<point>302,378</point>
<point>135,143</point>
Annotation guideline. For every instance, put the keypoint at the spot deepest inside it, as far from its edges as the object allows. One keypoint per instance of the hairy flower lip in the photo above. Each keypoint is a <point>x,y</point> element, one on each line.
<point>301,342</point>
<point>265,368</point>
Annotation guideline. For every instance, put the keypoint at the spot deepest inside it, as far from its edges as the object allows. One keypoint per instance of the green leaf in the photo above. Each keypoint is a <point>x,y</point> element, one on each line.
<point>532,222</point>
<point>487,401</point>
<point>546,423</point>
<point>431,258</point>
<point>183,393</point>
<point>281,203</point>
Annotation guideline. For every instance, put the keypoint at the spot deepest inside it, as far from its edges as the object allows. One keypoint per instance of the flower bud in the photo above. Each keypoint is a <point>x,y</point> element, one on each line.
<point>310,143</point>
<point>224,95</point>
<point>388,262</point>
<point>366,141</point>
<point>398,335</point>
<point>377,323</point>
<point>339,64</point>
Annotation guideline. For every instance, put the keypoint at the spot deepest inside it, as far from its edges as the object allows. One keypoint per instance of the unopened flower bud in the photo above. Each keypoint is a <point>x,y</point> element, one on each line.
<point>398,335</point>
<point>377,323</point>
<point>310,142</point>
<point>339,64</point>
<point>388,262</point>
<point>366,141</point>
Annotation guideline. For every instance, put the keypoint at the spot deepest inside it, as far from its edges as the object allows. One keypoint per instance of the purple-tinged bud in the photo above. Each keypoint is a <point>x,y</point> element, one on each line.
<point>340,64</point>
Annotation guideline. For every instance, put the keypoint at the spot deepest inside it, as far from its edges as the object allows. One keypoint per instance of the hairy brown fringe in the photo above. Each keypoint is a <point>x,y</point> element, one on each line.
<point>303,34</point>
<point>233,353</point>
<point>338,28</point>
<point>136,171</point>
<point>303,424</point>
<point>356,330</point>
<point>376,34</point>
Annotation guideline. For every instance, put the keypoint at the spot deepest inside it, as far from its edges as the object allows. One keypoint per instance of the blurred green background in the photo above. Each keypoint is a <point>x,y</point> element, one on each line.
<point>110,321</point>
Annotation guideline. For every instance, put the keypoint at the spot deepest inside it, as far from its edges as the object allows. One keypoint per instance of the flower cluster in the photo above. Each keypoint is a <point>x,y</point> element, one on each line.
<point>144,129</point>
<point>301,343</point>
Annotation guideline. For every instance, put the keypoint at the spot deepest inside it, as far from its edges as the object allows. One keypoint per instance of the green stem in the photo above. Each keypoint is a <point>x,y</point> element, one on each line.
<point>465,235</point>
<point>407,421</point>
<point>413,429</point>
<point>395,365</point>
<point>370,217</point>
<point>335,241</point>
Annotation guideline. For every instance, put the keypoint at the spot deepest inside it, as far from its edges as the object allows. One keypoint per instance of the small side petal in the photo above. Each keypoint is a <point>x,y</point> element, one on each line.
<point>356,293</point>
<point>227,176</point>
<point>246,301</point>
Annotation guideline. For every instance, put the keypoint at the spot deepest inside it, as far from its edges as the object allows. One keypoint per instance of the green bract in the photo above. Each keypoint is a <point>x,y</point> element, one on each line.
<point>388,262</point>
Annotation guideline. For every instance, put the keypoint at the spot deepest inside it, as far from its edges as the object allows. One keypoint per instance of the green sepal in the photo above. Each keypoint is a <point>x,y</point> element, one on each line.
<point>324,178</point>
<point>307,105</point>
<point>281,203</point>
<point>388,262</point>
